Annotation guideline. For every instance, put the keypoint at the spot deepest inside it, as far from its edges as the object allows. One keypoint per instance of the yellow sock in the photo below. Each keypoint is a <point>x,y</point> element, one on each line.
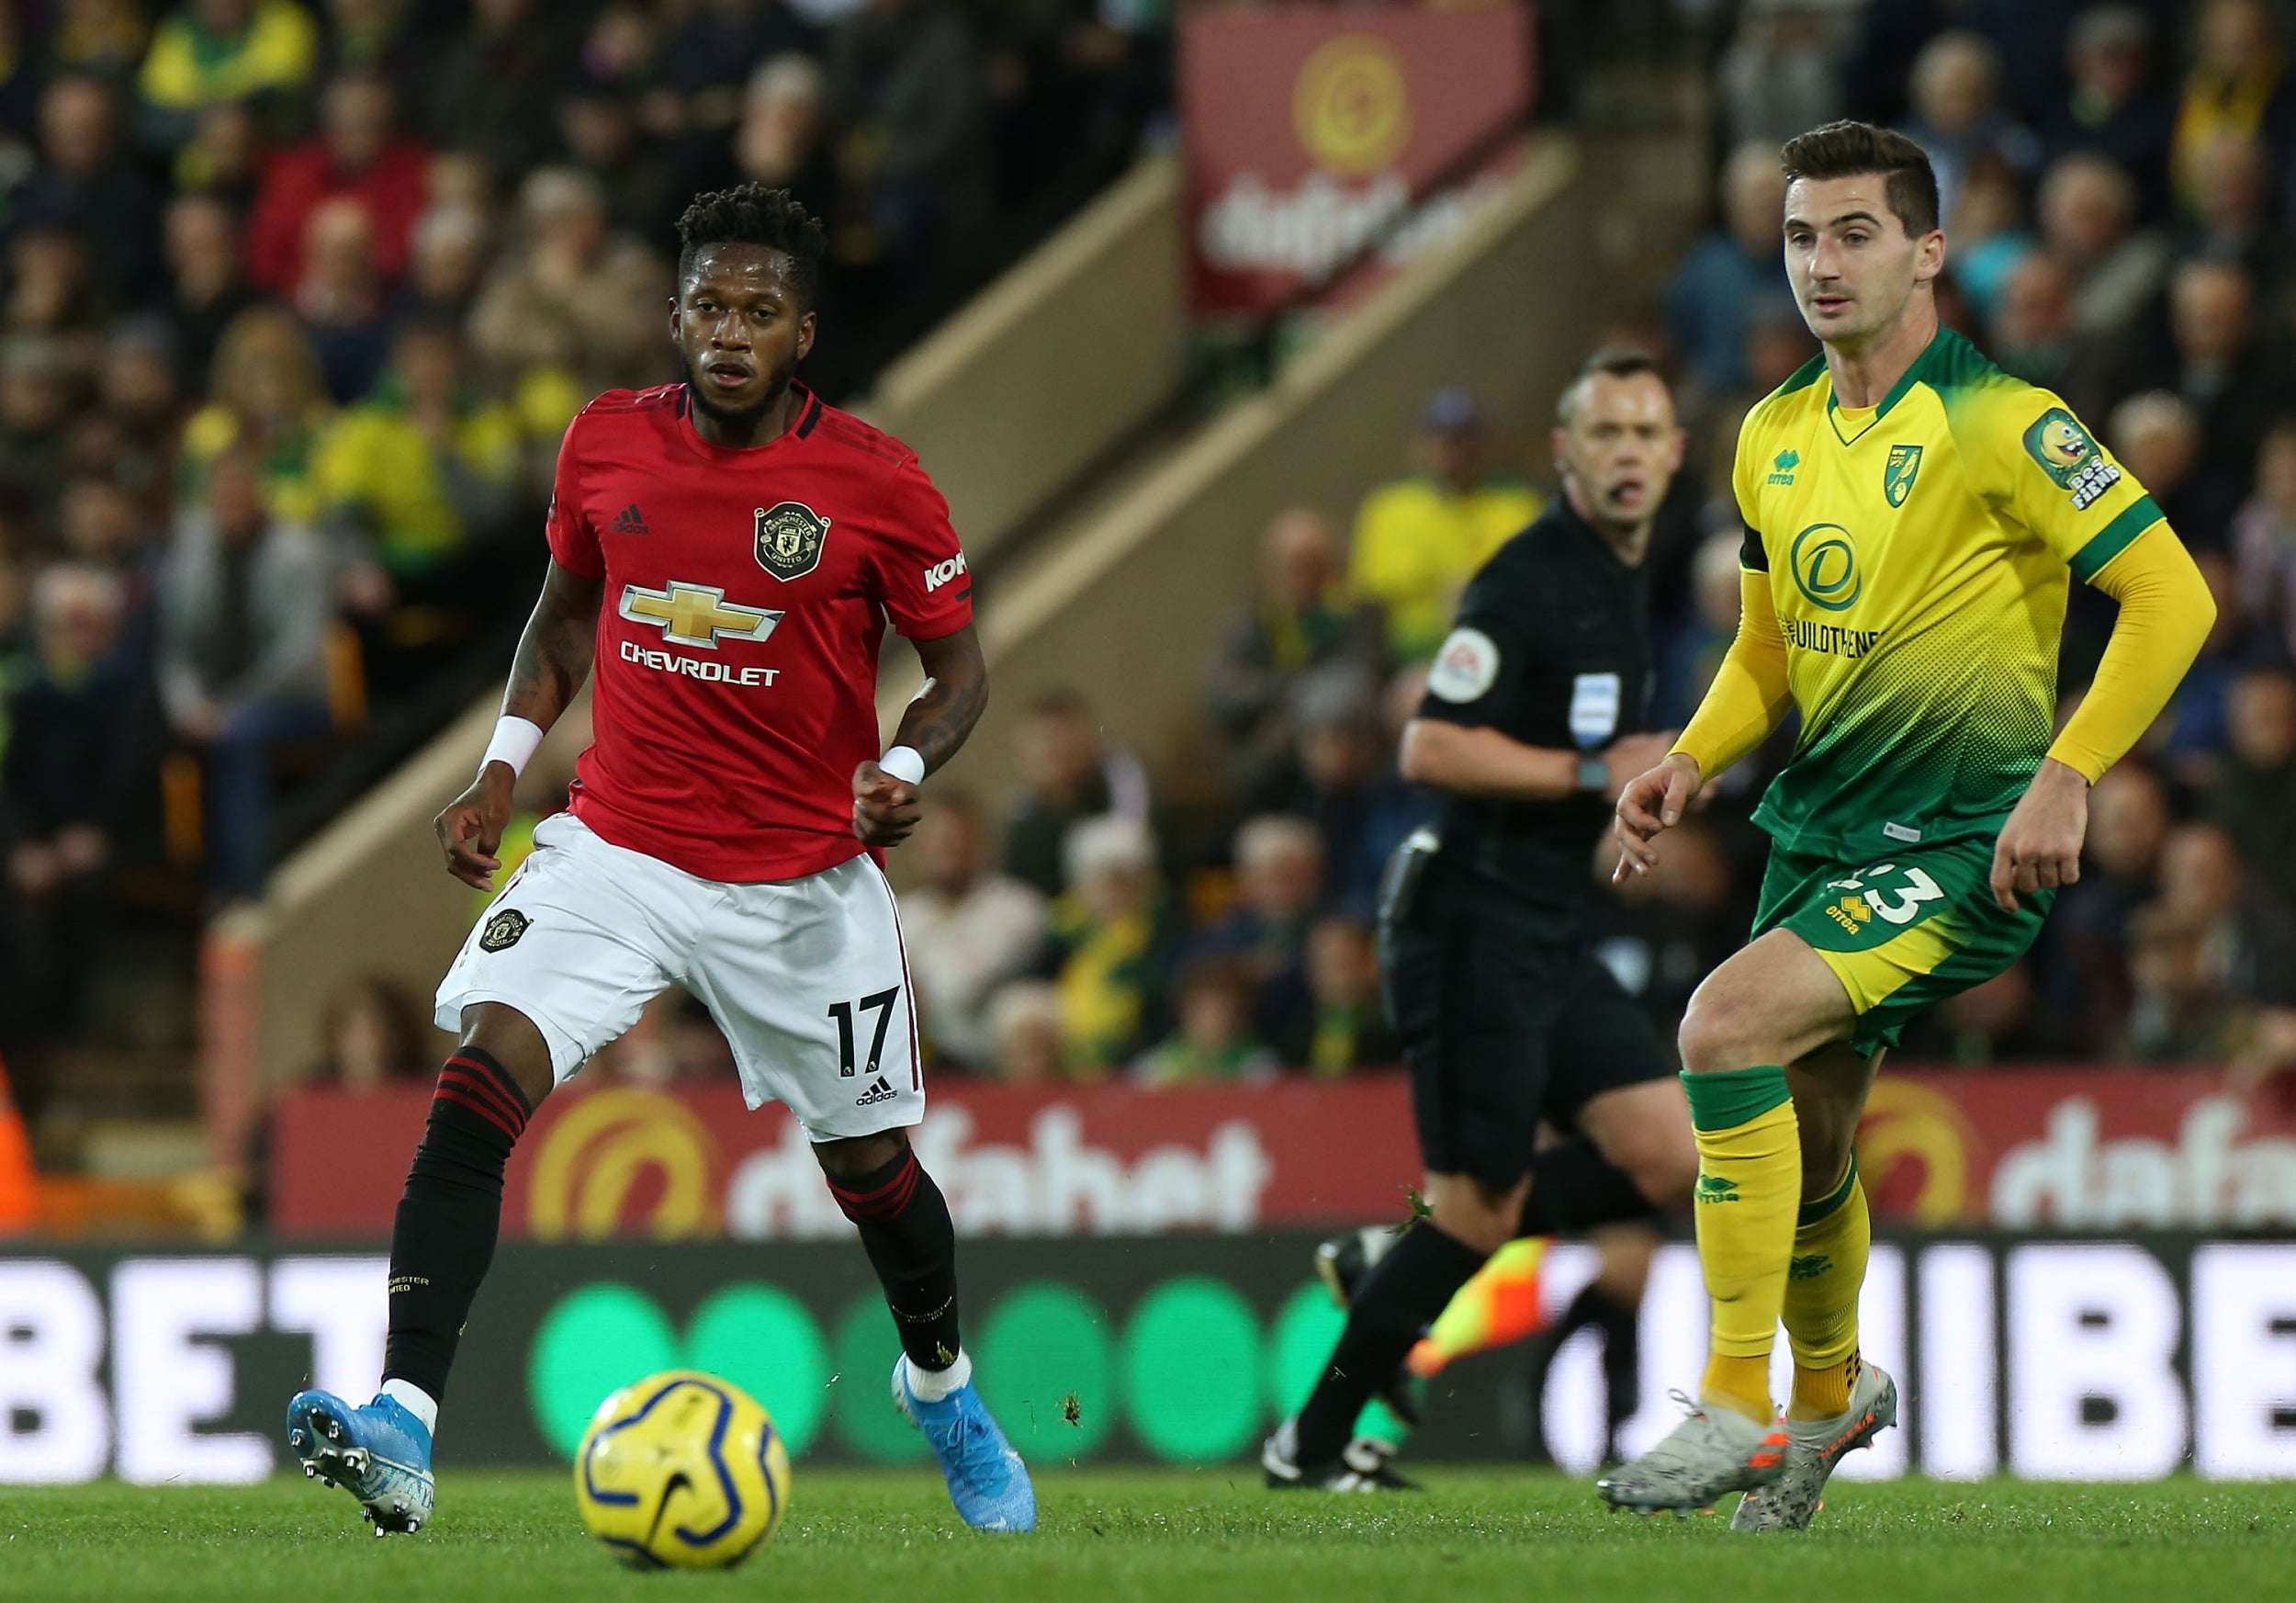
<point>1831,1238</point>
<point>1749,1184</point>
<point>1741,1383</point>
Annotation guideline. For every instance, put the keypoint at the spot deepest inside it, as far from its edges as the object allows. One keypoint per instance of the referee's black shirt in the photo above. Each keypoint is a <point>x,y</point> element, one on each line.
<point>1551,649</point>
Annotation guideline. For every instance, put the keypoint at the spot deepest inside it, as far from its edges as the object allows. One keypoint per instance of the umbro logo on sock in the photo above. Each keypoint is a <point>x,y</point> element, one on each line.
<point>878,1091</point>
<point>630,521</point>
<point>1713,1188</point>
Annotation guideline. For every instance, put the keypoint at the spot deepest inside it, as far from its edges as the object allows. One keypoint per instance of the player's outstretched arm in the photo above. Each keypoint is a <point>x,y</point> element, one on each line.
<point>885,808</point>
<point>553,660</point>
<point>2166,614</point>
<point>1749,697</point>
<point>1648,803</point>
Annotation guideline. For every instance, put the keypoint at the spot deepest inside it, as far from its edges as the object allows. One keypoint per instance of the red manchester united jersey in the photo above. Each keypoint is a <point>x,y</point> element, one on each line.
<point>746,594</point>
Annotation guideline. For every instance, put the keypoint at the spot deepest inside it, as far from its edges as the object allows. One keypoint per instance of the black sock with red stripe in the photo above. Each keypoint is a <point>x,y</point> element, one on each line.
<point>449,1216</point>
<point>912,1245</point>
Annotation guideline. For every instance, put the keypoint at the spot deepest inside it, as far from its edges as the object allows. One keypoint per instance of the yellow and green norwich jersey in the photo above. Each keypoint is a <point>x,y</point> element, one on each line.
<point>1917,554</point>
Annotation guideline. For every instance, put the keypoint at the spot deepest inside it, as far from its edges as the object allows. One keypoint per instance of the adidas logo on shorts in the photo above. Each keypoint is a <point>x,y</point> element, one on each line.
<point>879,1091</point>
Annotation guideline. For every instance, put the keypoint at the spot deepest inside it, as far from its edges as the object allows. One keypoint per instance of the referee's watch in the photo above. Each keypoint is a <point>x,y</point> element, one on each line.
<point>1594,776</point>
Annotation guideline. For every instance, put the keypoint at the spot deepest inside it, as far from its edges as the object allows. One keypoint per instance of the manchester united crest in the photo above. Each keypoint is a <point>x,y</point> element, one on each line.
<point>504,930</point>
<point>790,536</point>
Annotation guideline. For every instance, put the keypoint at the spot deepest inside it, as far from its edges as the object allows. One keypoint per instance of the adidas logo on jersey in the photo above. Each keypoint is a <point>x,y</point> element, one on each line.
<point>630,521</point>
<point>878,1091</point>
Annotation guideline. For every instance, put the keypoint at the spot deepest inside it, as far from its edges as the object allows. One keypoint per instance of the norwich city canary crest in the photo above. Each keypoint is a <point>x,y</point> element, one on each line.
<point>790,536</point>
<point>1905,461</point>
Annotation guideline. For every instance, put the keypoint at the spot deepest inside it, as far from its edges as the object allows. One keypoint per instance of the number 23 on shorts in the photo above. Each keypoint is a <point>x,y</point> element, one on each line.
<point>1885,894</point>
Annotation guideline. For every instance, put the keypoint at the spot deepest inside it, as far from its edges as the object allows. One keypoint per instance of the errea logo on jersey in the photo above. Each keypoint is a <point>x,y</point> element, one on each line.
<point>696,614</point>
<point>940,573</point>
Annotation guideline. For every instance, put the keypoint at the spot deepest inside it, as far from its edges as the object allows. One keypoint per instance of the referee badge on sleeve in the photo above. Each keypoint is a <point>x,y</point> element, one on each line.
<point>1594,699</point>
<point>1466,667</point>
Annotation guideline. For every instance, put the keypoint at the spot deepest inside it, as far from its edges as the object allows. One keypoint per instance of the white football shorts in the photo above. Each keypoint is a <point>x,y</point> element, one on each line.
<point>806,977</point>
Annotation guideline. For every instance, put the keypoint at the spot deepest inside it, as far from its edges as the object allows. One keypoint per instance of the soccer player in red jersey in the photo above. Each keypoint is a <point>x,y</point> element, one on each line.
<point>724,553</point>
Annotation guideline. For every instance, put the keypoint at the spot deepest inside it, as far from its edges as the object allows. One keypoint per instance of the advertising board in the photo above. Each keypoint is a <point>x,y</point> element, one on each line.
<point>2104,1359</point>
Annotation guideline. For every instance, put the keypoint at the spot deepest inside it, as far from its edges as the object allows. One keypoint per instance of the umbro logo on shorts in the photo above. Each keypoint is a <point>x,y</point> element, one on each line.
<point>878,1091</point>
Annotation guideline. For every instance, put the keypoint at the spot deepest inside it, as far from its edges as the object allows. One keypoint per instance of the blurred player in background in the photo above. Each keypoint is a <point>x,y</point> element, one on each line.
<point>725,550</point>
<point>1912,513</point>
<point>1507,1020</point>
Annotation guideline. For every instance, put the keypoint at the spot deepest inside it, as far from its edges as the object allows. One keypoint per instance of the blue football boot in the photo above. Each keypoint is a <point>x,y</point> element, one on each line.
<point>987,1482</point>
<point>380,1455</point>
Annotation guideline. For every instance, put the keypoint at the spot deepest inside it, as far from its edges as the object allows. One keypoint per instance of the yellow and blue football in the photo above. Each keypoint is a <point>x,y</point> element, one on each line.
<point>681,1471</point>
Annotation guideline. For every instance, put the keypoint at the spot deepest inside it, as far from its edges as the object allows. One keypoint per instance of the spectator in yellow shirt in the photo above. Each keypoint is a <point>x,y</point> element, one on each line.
<point>1419,540</point>
<point>215,50</point>
<point>426,465</point>
<point>265,395</point>
<point>421,479</point>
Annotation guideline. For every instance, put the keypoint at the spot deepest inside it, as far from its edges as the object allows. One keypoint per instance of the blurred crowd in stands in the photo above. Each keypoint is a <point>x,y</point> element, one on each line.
<point>300,300</point>
<point>2119,190</point>
<point>298,297</point>
<point>2119,186</point>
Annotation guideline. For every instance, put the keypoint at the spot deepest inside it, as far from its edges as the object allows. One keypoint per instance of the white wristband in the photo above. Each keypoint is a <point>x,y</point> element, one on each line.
<point>906,763</point>
<point>514,742</point>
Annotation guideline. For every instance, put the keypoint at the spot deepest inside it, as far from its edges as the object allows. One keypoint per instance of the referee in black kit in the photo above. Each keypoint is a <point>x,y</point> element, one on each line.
<point>1506,1018</point>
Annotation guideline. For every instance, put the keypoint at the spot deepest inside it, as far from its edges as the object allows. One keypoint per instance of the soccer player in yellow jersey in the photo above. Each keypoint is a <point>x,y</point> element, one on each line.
<point>1913,515</point>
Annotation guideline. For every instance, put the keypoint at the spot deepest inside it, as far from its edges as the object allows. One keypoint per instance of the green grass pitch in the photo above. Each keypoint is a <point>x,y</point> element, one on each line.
<point>1109,1536</point>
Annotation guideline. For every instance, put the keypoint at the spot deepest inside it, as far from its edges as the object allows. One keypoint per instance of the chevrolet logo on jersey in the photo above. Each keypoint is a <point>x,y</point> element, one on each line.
<point>696,614</point>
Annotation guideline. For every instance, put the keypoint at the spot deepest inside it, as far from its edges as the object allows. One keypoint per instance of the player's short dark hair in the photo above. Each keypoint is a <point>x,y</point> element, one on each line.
<point>754,214</point>
<point>1609,362</point>
<point>1846,150</point>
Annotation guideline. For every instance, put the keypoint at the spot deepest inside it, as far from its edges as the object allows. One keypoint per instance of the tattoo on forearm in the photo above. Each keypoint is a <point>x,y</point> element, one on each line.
<point>937,722</point>
<point>554,654</point>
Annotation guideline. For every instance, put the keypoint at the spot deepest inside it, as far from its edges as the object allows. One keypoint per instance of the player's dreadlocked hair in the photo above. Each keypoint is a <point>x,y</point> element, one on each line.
<point>752,214</point>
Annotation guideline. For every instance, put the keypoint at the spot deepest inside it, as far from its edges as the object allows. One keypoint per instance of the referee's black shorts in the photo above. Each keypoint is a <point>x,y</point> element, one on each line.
<point>1503,1026</point>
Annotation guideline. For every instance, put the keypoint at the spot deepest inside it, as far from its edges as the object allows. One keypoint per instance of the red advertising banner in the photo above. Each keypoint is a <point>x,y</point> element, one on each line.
<point>2066,1148</point>
<point>1310,129</point>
